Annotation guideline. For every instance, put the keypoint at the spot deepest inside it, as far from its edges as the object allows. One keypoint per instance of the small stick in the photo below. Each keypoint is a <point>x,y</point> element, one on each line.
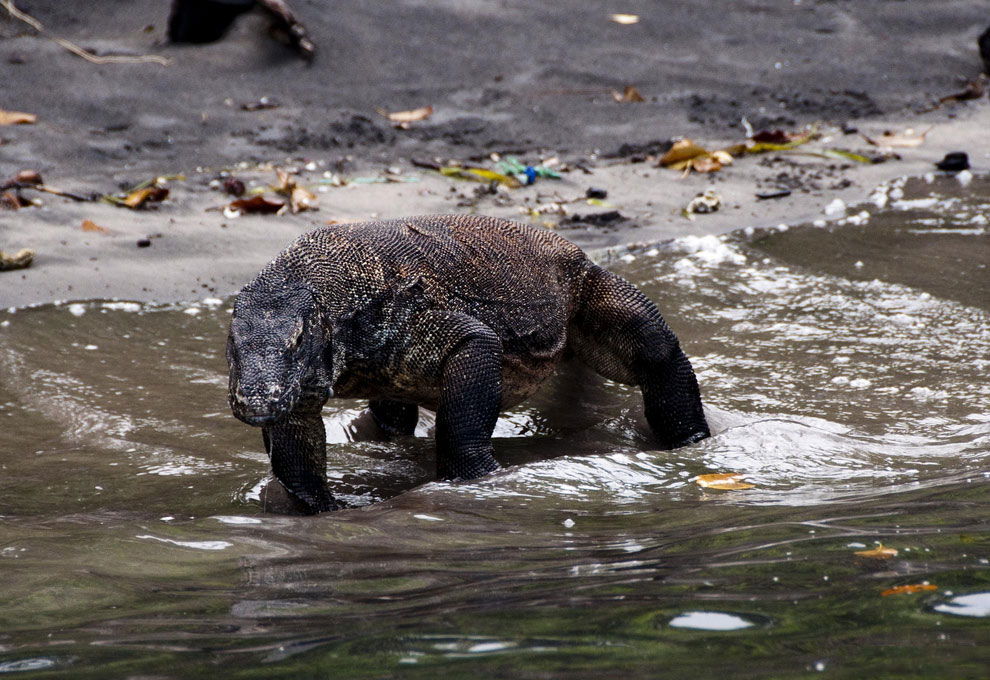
<point>74,48</point>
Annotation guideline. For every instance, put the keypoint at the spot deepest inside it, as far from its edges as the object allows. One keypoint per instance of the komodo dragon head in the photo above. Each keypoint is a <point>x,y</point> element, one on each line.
<point>275,352</point>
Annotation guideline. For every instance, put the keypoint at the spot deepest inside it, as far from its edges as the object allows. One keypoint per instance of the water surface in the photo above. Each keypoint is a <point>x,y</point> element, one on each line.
<point>844,368</point>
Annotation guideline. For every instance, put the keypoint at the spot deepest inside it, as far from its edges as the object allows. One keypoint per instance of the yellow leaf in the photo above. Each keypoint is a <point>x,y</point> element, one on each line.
<point>624,19</point>
<point>908,590</point>
<point>16,118</point>
<point>682,150</point>
<point>705,164</point>
<point>723,481</point>
<point>139,197</point>
<point>878,553</point>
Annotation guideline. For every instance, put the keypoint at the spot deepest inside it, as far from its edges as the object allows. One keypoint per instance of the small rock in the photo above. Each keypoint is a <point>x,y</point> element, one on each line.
<point>954,162</point>
<point>144,242</point>
<point>594,192</point>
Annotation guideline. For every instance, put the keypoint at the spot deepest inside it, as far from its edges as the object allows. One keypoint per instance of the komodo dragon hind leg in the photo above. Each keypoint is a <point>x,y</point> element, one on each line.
<point>620,333</point>
<point>394,417</point>
<point>465,357</point>
<point>298,449</point>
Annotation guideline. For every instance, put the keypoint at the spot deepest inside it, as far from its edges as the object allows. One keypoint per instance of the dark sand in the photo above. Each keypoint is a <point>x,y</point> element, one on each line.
<point>530,79</point>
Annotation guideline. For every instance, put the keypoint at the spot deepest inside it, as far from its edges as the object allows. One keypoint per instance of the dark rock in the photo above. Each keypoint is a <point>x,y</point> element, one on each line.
<point>204,21</point>
<point>143,242</point>
<point>594,192</point>
<point>954,162</point>
<point>985,50</point>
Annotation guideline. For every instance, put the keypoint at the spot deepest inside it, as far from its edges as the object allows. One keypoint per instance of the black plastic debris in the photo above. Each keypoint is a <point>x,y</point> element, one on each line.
<point>954,161</point>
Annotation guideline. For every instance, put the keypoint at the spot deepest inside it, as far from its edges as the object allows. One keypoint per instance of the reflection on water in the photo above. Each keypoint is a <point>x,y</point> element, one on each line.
<point>844,370</point>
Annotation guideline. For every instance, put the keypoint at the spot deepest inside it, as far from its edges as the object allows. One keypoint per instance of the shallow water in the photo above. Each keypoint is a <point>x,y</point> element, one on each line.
<point>844,369</point>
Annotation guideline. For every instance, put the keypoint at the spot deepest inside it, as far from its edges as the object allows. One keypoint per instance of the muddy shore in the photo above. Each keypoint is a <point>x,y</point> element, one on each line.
<point>506,78</point>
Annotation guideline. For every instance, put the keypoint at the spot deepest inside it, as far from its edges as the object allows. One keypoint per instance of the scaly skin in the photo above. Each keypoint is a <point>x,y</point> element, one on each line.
<point>462,315</point>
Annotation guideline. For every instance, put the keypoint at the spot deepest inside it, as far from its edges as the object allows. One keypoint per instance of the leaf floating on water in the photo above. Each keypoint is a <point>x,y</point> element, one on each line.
<point>17,118</point>
<point>404,118</point>
<point>630,94</point>
<point>19,260</point>
<point>90,225</point>
<point>727,481</point>
<point>908,590</point>
<point>878,553</point>
<point>624,19</point>
<point>889,139</point>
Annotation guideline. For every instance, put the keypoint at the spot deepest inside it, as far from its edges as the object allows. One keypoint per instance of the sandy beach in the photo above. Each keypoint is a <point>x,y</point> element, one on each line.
<point>511,78</point>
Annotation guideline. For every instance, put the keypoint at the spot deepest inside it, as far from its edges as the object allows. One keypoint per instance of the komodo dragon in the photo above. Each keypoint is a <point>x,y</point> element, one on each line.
<point>462,315</point>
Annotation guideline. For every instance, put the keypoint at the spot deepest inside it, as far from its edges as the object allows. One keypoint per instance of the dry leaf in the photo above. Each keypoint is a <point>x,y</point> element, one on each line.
<point>12,200</point>
<point>908,590</point>
<point>301,199</point>
<point>89,225</point>
<point>878,553</point>
<point>19,260</point>
<point>892,139</point>
<point>705,164</point>
<point>28,177</point>
<point>974,90</point>
<point>16,118</point>
<point>682,150</point>
<point>631,94</point>
<point>722,480</point>
<point>152,194</point>
<point>256,205</point>
<point>406,117</point>
<point>625,19</point>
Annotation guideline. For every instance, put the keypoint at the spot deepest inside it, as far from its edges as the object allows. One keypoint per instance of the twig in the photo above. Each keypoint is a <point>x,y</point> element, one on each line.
<point>74,48</point>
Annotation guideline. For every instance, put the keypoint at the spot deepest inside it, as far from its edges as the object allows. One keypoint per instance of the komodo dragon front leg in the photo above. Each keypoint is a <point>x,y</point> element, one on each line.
<point>620,333</point>
<point>297,446</point>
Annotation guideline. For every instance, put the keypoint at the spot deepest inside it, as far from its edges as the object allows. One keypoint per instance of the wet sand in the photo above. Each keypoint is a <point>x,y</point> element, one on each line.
<point>515,79</point>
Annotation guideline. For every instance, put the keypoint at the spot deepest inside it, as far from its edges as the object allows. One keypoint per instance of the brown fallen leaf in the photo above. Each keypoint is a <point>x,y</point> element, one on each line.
<point>138,197</point>
<point>682,150</point>
<point>256,205</point>
<point>892,139</point>
<point>723,481</point>
<point>90,225</point>
<point>878,553</point>
<point>11,200</point>
<point>631,94</point>
<point>28,177</point>
<point>404,118</point>
<point>908,590</point>
<point>19,260</point>
<point>624,19</point>
<point>17,118</point>
<point>299,198</point>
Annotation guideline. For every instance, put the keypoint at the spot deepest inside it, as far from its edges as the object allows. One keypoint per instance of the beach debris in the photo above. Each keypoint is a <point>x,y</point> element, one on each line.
<point>143,243</point>
<point>600,219</point>
<point>707,202</point>
<point>31,179</point>
<point>300,199</point>
<point>17,118</point>
<point>143,195</point>
<point>596,193</point>
<point>90,225</point>
<point>256,205</point>
<point>630,94</point>
<point>624,19</point>
<point>781,192</point>
<point>844,155</point>
<point>889,139</point>
<point>974,89</point>
<point>261,104</point>
<point>74,48</point>
<point>954,161</point>
<point>234,186</point>
<point>877,553</point>
<point>12,200</point>
<point>725,481</point>
<point>205,21</point>
<point>404,119</point>
<point>984,43</point>
<point>19,260</point>
<point>909,589</point>
<point>526,174</point>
